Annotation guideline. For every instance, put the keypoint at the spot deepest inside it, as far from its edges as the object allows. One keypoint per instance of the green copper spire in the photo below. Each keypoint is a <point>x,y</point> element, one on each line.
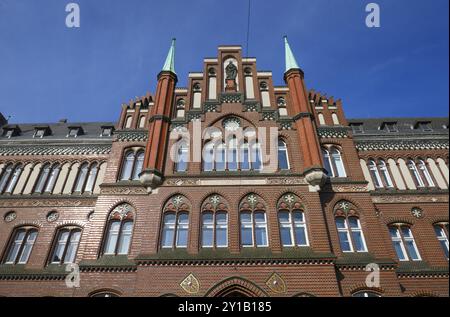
<point>291,63</point>
<point>169,65</point>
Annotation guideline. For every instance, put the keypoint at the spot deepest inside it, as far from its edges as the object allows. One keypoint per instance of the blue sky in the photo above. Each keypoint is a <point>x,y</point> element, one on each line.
<point>49,72</point>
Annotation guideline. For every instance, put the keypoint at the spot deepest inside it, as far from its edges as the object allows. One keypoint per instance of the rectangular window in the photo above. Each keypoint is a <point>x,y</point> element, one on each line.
<point>246,229</point>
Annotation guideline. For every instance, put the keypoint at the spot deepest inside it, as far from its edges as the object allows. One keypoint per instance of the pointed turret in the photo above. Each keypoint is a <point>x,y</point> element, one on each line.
<point>302,113</point>
<point>169,65</point>
<point>291,62</point>
<point>159,124</point>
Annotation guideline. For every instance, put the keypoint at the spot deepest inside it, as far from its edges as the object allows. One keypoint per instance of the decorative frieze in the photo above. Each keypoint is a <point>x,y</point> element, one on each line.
<point>231,98</point>
<point>8,203</point>
<point>131,136</point>
<point>124,190</point>
<point>393,145</point>
<point>391,199</point>
<point>332,132</point>
<point>35,149</point>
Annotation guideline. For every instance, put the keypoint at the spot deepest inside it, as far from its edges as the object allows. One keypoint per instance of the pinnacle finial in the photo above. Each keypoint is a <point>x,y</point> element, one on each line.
<point>291,63</point>
<point>169,65</point>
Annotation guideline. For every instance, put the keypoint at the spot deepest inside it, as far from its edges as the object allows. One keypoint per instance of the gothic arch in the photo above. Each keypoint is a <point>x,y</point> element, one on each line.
<point>235,286</point>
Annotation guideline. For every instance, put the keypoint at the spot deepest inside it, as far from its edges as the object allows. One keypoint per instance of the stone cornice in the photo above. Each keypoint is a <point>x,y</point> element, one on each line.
<point>332,132</point>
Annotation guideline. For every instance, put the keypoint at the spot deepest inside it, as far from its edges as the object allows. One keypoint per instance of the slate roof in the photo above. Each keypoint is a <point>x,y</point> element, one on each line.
<point>60,130</point>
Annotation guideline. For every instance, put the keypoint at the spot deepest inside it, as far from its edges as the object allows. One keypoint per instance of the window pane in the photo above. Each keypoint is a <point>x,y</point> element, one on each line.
<point>298,217</point>
<point>125,238</point>
<point>256,157</point>
<point>14,249</point>
<point>60,246</point>
<point>221,218</point>
<point>42,179</point>
<point>261,236</point>
<point>81,177</point>
<point>28,247</point>
<point>406,232</point>
<point>245,158</point>
<point>182,159</point>
<point>246,217</point>
<point>283,217</point>
<point>168,230</point>
<point>182,237</point>
<point>260,217</point>
<point>208,158</point>
<point>358,241</point>
<point>394,232</point>
<point>444,245</point>
<point>399,250</point>
<point>138,166</point>
<point>336,155</point>
<point>354,223</point>
<point>222,236</point>
<point>220,158</point>
<point>326,161</point>
<point>340,223</point>
<point>232,159</point>
<point>344,240</point>
<point>286,235</point>
<point>72,248</point>
<point>411,246</point>
<point>283,163</point>
<point>14,179</point>
<point>127,167</point>
<point>208,236</point>
<point>300,236</point>
<point>111,240</point>
<point>91,179</point>
<point>52,180</point>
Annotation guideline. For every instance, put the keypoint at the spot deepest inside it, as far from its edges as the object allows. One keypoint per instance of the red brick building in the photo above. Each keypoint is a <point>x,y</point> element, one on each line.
<point>171,201</point>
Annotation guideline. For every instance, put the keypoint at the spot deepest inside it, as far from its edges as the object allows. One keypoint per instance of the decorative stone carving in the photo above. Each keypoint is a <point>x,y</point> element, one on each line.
<point>47,203</point>
<point>332,132</point>
<point>122,212</point>
<point>290,202</point>
<point>345,208</point>
<point>232,124</point>
<point>276,284</point>
<point>177,203</point>
<point>392,145</point>
<point>22,150</point>
<point>10,216</point>
<point>417,212</point>
<point>409,199</point>
<point>52,216</point>
<point>286,181</point>
<point>252,202</point>
<point>182,182</point>
<point>345,188</point>
<point>115,190</point>
<point>190,284</point>
<point>131,136</point>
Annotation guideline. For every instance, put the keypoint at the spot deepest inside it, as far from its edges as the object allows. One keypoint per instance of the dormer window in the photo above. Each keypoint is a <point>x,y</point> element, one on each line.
<point>389,127</point>
<point>107,131</point>
<point>357,128</point>
<point>40,132</point>
<point>425,126</point>
<point>11,131</point>
<point>75,132</point>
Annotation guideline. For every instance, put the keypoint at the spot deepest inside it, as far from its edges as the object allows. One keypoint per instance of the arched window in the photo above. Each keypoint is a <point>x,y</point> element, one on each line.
<point>53,176</point>
<point>338,164</point>
<point>335,118</point>
<point>256,157</point>
<point>181,163</point>
<point>220,157</point>
<point>142,122</point>
<point>404,243</point>
<point>119,231</point>
<point>128,122</point>
<point>333,162</point>
<point>6,174</point>
<point>245,157</point>
<point>91,178</point>
<point>45,172</point>
<point>386,177</point>
<point>426,173</point>
<point>21,245</point>
<point>175,223</point>
<point>182,230</point>
<point>415,174</point>
<point>321,119</point>
<point>350,234</point>
<point>232,155</point>
<point>441,230</point>
<point>10,178</point>
<point>214,223</point>
<point>373,168</point>
<point>208,157</point>
<point>292,221</point>
<point>65,246</point>
<point>132,164</point>
<point>81,179</point>
<point>253,222</point>
<point>348,225</point>
<point>283,157</point>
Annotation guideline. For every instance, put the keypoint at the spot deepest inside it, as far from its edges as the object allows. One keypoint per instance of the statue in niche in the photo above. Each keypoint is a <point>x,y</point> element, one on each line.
<point>231,74</point>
